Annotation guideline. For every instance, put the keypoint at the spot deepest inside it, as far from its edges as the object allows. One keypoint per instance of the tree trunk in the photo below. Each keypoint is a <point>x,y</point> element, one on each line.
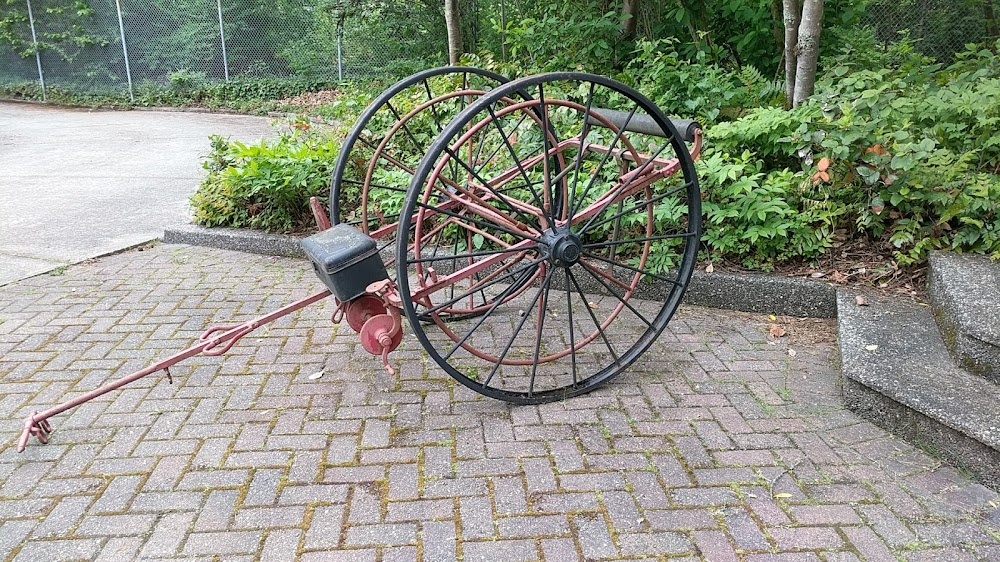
<point>454,25</point>
<point>792,15</point>
<point>807,53</point>
<point>992,29</point>
<point>630,18</point>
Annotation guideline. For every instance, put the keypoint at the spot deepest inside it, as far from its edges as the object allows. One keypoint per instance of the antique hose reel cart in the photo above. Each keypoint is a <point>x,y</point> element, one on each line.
<point>537,234</point>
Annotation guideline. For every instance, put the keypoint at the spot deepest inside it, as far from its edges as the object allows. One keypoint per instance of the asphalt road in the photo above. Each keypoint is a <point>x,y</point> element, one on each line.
<point>75,184</point>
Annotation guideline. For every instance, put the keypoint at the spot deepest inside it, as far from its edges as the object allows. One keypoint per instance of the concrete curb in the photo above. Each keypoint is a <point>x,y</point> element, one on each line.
<point>241,240</point>
<point>766,294</point>
<point>161,108</point>
<point>899,375</point>
<point>964,292</point>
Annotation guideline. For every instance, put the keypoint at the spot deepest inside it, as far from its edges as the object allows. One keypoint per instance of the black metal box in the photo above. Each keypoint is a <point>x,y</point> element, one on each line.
<point>346,260</point>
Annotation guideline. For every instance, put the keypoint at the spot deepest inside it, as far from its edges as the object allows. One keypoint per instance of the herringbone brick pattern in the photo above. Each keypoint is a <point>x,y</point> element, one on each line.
<point>719,445</point>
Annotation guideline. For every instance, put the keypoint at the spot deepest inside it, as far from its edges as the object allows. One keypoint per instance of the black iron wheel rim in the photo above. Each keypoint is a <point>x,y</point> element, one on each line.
<point>347,147</point>
<point>670,304</point>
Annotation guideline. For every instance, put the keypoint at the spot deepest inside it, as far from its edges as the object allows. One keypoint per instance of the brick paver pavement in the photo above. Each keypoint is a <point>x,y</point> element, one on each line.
<point>719,445</point>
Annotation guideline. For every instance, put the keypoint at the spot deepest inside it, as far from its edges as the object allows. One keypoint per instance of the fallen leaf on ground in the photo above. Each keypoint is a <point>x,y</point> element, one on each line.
<point>839,278</point>
<point>782,495</point>
<point>710,268</point>
<point>772,318</point>
<point>871,347</point>
<point>860,301</point>
<point>776,331</point>
<point>315,376</point>
<point>818,275</point>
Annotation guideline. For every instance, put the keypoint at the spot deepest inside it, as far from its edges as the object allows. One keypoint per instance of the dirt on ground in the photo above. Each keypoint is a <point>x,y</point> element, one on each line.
<point>308,100</point>
<point>855,264</point>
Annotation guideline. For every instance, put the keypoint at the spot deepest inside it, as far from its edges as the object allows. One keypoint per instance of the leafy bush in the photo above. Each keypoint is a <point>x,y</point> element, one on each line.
<point>697,88</point>
<point>266,185</point>
<point>576,35</point>
<point>905,156</point>
<point>189,88</point>
<point>894,150</point>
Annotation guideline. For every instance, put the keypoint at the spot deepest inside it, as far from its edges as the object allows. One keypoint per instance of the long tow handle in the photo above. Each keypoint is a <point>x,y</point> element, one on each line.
<point>210,344</point>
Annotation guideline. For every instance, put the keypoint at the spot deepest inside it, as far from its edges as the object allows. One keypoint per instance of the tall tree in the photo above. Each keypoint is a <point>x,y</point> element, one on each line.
<point>453,22</point>
<point>792,15</point>
<point>803,26</point>
<point>630,18</point>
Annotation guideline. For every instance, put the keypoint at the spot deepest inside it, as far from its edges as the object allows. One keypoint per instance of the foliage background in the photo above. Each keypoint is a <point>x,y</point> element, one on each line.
<point>898,153</point>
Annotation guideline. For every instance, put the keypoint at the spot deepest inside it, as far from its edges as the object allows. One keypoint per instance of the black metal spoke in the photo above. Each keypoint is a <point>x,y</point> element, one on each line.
<point>586,304</point>
<point>434,113</point>
<point>630,268</point>
<point>638,206</point>
<point>510,342</point>
<point>637,240</point>
<point>455,158</point>
<point>604,158</point>
<point>492,282</point>
<point>579,155</point>
<point>614,294</point>
<point>620,188</point>
<point>524,174</point>
<point>421,147</point>
<point>474,254</point>
<point>375,185</point>
<point>436,245</point>
<point>437,121</point>
<point>572,340</point>
<point>499,300</point>
<point>465,86</point>
<point>541,327</point>
<point>546,180</point>
<point>499,147</point>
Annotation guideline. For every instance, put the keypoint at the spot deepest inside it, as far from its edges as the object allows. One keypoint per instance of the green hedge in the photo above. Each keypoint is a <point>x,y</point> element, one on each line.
<point>894,151</point>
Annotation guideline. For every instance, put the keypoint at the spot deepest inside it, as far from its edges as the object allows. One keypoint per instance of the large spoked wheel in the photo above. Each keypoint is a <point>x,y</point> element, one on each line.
<point>582,240</point>
<point>382,149</point>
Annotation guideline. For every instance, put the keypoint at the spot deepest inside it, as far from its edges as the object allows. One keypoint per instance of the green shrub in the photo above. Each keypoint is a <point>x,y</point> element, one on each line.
<point>905,156</point>
<point>577,35</point>
<point>894,150</point>
<point>697,88</point>
<point>266,185</point>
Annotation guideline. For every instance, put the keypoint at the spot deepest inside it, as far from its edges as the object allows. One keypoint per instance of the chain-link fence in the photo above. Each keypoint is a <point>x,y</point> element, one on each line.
<point>937,28</point>
<point>121,47</point>
<point>116,46</point>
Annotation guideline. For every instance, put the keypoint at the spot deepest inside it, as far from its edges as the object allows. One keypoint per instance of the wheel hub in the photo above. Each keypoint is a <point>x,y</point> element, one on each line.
<point>562,246</point>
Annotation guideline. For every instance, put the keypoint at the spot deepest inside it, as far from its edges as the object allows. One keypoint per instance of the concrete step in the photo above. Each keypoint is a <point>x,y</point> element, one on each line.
<point>899,374</point>
<point>965,296</point>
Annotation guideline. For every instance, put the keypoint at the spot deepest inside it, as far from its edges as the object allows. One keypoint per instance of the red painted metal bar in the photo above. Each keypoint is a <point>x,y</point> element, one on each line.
<point>36,424</point>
